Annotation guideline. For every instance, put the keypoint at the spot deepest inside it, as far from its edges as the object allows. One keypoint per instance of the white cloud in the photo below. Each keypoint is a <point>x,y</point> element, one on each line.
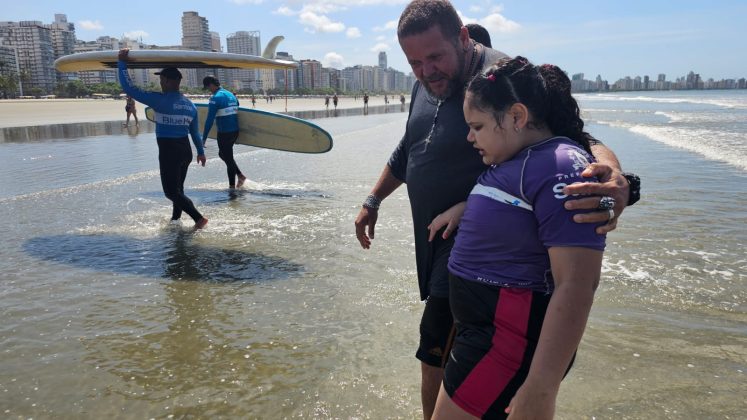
<point>392,24</point>
<point>381,38</point>
<point>332,59</point>
<point>285,11</point>
<point>475,9</point>
<point>353,32</point>
<point>319,23</point>
<point>494,22</point>
<point>136,34</point>
<point>90,25</point>
<point>381,46</point>
<point>243,2</point>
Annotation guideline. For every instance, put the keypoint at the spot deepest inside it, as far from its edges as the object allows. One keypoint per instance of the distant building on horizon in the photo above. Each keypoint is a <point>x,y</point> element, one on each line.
<point>195,36</point>
<point>248,43</point>
<point>382,60</point>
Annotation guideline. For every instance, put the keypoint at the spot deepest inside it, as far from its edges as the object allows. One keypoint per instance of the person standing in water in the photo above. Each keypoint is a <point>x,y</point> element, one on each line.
<point>176,118</point>
<point>223,109</point>
<point>131,110</point>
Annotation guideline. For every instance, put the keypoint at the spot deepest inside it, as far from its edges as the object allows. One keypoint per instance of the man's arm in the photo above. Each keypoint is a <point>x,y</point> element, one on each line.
<point>612,184</point>
<point>194,130</point>
<point>212,110</point>
<point>366,219</point>
<point>141,96</point>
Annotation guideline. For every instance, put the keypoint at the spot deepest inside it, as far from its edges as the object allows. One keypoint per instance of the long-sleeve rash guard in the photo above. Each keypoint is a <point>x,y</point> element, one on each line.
<point>176,116</point>
<point>224,106</point>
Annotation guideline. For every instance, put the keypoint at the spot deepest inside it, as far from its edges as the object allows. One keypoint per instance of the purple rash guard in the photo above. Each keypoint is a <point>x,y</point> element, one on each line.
<point>515,213</point>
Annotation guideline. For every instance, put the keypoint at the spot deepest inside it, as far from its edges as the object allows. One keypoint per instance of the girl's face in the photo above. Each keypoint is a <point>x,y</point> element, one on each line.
<point>496,144</point>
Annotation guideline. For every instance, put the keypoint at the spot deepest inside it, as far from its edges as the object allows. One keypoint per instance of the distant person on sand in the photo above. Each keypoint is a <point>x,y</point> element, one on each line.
<point>478,33</point>
<point>334,100</point>
<point>223,108</point>
<point>131,110</point>
<point>365,103</point>
<point>176,118</point>
<point>326,101</point>
<point>254,101</point>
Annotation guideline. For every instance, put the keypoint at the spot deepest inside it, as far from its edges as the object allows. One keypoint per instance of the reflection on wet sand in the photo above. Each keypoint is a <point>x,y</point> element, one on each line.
<point>79,130</point>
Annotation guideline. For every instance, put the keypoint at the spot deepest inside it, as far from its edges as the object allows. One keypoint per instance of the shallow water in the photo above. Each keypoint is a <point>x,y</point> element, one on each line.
<point>274,311</point>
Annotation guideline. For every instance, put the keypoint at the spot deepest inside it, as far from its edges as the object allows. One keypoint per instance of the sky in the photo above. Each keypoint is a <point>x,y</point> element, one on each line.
<point>613,39</point>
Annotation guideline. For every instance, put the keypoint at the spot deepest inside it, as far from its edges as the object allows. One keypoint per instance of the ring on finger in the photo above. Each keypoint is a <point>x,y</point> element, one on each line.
<point>606,203</point>
<point>611,213</point>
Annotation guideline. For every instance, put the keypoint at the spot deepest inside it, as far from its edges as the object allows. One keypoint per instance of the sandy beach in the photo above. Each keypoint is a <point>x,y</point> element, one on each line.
<point>32,112</point>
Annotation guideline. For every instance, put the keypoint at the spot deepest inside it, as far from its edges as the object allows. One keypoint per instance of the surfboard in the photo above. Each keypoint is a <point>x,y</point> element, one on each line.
<point>269,130</point>
<point>106,60</point>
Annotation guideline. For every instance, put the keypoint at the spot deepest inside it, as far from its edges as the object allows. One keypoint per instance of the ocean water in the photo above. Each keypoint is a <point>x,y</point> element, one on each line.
<point>274,311</point>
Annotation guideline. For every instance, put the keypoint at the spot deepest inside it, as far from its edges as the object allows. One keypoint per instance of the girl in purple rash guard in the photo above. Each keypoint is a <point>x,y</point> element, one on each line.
<point>522,273</point>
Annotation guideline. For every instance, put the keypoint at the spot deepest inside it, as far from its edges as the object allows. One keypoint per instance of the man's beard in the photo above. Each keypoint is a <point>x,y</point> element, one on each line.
<point>456,83</point>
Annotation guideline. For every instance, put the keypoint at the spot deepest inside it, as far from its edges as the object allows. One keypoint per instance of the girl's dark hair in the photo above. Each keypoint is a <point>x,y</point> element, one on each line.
<point>545,90</point>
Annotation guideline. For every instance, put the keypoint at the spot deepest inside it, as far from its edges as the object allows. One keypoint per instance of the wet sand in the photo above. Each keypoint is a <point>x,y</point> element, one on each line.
<point>33,112</point>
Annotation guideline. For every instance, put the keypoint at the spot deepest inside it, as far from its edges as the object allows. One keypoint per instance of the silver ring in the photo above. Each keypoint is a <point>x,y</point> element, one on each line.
<point>606,203</point>
<point>611,213</point>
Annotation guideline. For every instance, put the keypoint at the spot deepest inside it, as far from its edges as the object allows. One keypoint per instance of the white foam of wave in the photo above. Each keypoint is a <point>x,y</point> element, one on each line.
<point>709,144</point>
<point>725,147</point>
<point>84,187</point>
<point>737,103</point>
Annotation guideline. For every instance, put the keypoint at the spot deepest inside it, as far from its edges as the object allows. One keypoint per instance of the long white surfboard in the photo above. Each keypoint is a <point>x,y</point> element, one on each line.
<point>105,60</point>
<point>270,130</point>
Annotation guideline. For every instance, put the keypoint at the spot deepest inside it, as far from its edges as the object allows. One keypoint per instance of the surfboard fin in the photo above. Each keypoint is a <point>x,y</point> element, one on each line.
<point>269,52</point>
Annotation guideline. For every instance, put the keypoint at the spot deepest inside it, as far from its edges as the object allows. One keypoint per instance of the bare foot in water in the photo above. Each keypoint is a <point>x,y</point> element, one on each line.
<point>201,223</point>
<point>242,178</point>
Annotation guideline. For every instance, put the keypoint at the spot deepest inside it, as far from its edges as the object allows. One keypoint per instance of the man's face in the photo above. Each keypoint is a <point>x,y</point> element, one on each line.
<point>437,62</point>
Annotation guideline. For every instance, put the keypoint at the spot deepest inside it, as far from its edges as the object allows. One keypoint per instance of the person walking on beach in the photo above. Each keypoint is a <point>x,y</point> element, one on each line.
<point>176,118</point>
<point>334,101</point>
<point>223,108</point>
<point>131,110</point>
<point>440,168</point>
<point>365,103</point>
<point>526,125</point>
<point>326,101</point>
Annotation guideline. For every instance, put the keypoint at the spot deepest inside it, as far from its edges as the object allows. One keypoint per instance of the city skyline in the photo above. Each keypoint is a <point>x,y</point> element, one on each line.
<point>613,40</point>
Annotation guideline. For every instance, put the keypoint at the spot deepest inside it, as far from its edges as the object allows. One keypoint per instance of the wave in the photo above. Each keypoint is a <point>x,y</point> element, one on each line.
<point>732,103</point>
<point>728,147</point>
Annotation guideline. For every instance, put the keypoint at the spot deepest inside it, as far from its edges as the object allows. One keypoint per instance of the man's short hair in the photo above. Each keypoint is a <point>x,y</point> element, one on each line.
<point>210,80</point>
<point>421,15</point>
<point>171,73</point>
<point>479,34</point>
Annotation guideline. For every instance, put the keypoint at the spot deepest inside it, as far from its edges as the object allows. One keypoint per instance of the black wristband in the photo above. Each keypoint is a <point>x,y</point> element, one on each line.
<point>635,187</point>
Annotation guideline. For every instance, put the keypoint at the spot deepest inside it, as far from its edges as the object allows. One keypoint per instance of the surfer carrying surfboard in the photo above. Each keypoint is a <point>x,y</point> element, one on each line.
<point>176,118</point>
<point>223,109</point>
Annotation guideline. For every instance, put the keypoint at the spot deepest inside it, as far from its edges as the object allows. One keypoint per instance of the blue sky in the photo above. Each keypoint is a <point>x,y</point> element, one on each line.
<point>610,38</point>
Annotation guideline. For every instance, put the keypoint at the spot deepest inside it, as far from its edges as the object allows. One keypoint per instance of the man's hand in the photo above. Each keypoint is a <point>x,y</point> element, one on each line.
<point>366,220</point>
<point>201,159</point>
<point>124,54</point>
<point>611,183</point>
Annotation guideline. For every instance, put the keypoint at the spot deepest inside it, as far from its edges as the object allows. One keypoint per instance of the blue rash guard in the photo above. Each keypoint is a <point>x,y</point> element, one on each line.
<point>224,106</point>
<point>176,116</point>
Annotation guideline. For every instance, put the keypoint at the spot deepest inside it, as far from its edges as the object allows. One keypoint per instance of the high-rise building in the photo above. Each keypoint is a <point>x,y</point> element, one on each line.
<point>311,74</point>
<point>102,43</point>
<point>9,68</point>
<point>33,44</point>
<point>63,42</point>
<point>195,36</point>
<point>285,78</point>
<point>382,60</point>
<point>248,43</point>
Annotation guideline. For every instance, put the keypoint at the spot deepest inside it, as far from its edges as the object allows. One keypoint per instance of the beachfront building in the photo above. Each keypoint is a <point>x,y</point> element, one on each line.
<point>63,42</point>
<point>310,74</point>
<point>247,43</point>
<point>283,79</point>
<point>102,43</point>
<point>195,36</point>
<point>382,60</point>
<point>10,73</point>
<point>32,41</point>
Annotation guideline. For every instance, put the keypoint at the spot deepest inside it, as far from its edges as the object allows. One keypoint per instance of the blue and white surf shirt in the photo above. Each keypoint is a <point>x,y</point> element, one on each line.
<point>224,109</point>
<point>176,116</point>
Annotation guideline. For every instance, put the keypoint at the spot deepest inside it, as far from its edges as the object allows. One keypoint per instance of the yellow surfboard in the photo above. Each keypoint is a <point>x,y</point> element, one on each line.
<point>270,130</point>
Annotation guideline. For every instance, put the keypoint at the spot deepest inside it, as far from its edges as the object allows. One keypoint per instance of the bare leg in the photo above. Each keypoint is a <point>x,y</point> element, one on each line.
<point>446,409</point>
<point>429,386</point>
